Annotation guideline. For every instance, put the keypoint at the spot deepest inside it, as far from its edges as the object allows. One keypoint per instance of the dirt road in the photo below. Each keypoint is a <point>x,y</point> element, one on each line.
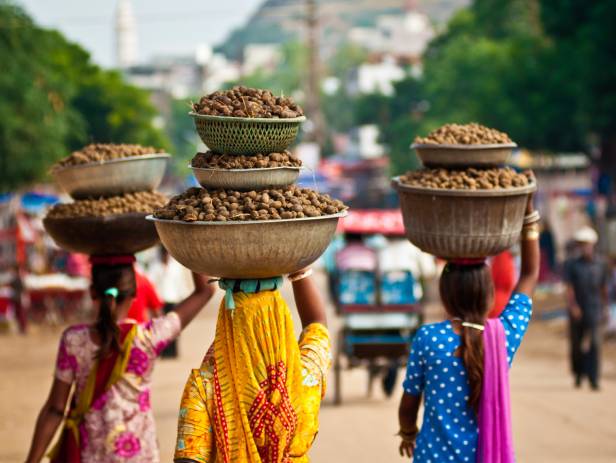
<point>553,423</point>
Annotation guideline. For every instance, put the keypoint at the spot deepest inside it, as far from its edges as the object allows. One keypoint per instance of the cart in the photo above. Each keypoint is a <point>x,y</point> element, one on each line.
<point>380,310</point>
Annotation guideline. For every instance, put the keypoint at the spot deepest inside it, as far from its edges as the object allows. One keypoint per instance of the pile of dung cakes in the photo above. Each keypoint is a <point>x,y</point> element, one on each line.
<point>248,219</point>
<point>465,202</point>
<point>113,190</point>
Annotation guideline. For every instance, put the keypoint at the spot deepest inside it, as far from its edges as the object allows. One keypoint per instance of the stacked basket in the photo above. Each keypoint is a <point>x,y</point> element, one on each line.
<point>105,185</point>
<point>248,248</point>
<point>463,222</point>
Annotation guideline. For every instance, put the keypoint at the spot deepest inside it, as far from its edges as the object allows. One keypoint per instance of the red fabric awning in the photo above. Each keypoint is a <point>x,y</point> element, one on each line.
<point>373,221</point>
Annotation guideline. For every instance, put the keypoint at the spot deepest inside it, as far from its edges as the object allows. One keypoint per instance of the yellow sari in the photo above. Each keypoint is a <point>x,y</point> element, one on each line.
<point>257,395</point>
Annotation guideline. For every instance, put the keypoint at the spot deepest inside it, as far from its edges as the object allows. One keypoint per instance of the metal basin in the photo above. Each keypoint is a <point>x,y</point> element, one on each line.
<point>463,156</point>
<point>462,223</point>
<point>111,178</point>
<point>246,135</point>
<point>114,234</point>
<point>246,179</point>
<point>251,249</point>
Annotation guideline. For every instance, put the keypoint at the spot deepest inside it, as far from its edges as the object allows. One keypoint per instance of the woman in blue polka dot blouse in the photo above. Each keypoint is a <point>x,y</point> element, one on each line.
<point>446,363</point>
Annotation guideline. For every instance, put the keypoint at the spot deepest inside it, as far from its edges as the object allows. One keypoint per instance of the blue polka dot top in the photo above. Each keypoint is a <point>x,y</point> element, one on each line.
<point>449,430</point>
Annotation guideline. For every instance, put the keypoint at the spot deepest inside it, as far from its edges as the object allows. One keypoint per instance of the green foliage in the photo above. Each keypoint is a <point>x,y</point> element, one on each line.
<point>55,100</point>
<point>546,79</point>
<point>399,120</point>
<point>288,77</point>
<point>181,130</point>
<point>37,118</point>
<point>116,112</point>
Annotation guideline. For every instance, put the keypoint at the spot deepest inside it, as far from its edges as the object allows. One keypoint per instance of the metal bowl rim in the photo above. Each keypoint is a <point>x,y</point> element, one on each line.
<point>254,169</point>
<point>453,147</point>
<point>260,120</point>
<point>338,215</point>
<point>99,218</point>
<point>521,190</point>
<point>140,157</point>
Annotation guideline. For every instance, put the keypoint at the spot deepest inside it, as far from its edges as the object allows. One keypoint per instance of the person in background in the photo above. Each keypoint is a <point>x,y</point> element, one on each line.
<point>586,276</point>
<point>146,302</point>
<point>548,253</point>
<point>17,294</point>
<point>173,282</point>
<point>356,255</point>
<point>503,275</point>
<point>356,267</point>
<point>108,365</point>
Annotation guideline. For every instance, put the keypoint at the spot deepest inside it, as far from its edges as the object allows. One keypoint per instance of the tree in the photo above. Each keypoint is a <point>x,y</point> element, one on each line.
<point>583,34</point>
<point>503,64</point>
<point>54,100</point>
<point>400,120</point>
<point>37,118</point>
<point>116,112</point>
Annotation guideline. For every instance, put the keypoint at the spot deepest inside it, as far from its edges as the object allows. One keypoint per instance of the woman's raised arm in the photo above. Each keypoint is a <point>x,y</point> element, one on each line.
<point>192,305</point>
<point>308,299</point>
<point>529,247</point>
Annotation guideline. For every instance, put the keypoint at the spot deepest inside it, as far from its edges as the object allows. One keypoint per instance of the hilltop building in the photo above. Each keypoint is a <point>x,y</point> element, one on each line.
<point>403,36</point>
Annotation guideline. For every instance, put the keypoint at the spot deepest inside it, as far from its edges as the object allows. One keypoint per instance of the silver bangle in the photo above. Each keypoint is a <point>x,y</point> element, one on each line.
<point>531,218</point>
<point>300,276</point>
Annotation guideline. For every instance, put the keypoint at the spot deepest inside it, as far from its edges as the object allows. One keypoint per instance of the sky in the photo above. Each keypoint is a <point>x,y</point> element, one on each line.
<point>163,26</point>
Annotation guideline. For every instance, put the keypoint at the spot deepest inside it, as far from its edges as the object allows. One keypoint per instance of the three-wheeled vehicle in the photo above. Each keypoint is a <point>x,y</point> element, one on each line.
<point>376,288</point>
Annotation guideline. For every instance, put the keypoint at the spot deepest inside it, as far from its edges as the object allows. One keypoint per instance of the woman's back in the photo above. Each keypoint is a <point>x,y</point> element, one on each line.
<point>119,426</point>
<point>449,430</point>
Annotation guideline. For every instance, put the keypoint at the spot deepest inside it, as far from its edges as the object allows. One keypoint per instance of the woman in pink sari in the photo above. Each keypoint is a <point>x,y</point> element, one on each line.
<point>108,365</point>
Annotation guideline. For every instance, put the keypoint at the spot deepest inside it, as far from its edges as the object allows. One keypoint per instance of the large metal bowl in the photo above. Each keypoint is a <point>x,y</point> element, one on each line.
<point>111,178</point>
<point>462,223</point>
<point>250,249</point>
<point>463,156</point>
<point>114,234</point>
<point>246,179</point>
<point>246,135</point>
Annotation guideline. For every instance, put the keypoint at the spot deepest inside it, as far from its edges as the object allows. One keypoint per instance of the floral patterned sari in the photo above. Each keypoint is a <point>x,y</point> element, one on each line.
<point>114,424</point>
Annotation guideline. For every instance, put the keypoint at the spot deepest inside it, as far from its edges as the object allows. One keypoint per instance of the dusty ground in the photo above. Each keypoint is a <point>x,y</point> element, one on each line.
<point>553,423</point>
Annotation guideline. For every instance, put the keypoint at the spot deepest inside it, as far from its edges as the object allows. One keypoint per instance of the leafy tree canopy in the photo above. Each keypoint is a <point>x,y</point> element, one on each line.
<point>54,100</point>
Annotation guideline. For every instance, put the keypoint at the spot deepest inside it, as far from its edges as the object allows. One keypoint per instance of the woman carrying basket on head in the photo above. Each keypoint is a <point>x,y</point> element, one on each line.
<point>459,367</point>
<point>110,363</point>
<point>257,395</point>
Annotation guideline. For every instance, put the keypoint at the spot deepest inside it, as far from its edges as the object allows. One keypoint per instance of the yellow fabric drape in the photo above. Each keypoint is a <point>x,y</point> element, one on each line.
<point>84,402</point>
<point>257,395</point>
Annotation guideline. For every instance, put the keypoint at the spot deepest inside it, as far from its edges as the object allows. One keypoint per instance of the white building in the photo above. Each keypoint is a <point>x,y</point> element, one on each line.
<point>376,77</point>
<point>261,56</point>
<point>185,76</point>
<point>125,35</point>
<point>404,36</point>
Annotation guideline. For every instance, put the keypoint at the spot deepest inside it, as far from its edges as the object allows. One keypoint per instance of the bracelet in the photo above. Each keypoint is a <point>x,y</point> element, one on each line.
<point>532,218</point>
<point>530,232</point>
<point>299,276</point>
<point>408,436</point>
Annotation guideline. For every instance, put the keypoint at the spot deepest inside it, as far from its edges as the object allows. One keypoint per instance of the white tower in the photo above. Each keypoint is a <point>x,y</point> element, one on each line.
<point>125,35</point>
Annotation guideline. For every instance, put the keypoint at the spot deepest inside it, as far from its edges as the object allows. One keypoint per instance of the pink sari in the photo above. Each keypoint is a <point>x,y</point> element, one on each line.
<point>495,436</point>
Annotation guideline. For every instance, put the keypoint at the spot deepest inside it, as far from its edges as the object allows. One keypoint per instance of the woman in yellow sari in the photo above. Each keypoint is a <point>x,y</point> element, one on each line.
<point>257,395</point>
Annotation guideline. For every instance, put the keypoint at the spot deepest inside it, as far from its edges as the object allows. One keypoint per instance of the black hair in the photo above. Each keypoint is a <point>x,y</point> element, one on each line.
<point>467,292</point>
<point>104,279</point>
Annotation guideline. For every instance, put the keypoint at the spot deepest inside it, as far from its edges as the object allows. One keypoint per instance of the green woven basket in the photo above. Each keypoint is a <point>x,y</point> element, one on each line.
<point>245,135</point>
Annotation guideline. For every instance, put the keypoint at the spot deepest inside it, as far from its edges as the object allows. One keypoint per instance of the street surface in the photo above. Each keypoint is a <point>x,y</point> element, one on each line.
<point>553,422</point>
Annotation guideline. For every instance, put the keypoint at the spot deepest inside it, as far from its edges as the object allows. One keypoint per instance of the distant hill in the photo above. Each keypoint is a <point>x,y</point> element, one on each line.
<point>277,21</point>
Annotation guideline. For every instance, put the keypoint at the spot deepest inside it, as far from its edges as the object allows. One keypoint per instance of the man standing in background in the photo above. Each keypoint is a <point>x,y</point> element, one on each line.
<point>586,276</point>
<point>173,283</point>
